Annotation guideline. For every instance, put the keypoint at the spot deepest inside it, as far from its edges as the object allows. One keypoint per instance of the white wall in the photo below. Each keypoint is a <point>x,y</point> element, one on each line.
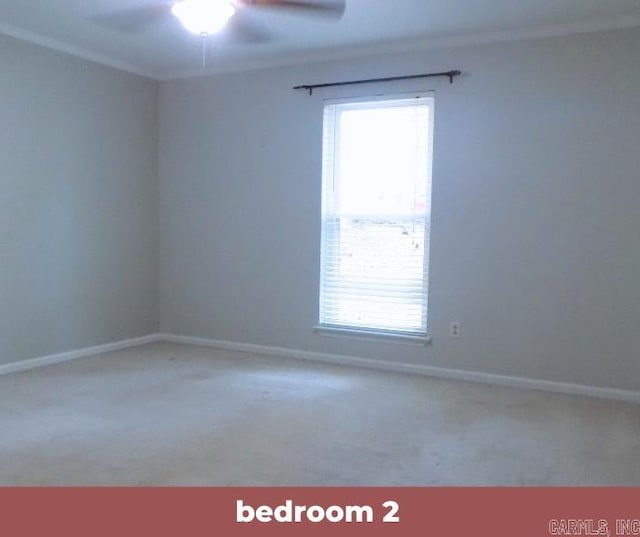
<point>78,203</point>
<point>536,216</point>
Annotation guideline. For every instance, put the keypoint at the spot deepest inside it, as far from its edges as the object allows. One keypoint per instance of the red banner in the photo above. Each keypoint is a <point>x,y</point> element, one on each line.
<point>441,512</point>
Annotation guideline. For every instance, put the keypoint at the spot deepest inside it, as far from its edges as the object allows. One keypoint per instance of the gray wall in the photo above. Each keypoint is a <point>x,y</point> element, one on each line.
<point>78,203</point>
<point>536,216</point>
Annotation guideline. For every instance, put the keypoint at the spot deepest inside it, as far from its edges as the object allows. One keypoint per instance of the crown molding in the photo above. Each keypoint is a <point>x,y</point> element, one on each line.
<point>78,52</point>
<point>413,45</point>
<point>333,54</point>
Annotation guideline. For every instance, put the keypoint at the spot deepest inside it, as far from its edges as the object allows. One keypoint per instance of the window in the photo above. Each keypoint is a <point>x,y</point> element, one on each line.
<point>375,215</point>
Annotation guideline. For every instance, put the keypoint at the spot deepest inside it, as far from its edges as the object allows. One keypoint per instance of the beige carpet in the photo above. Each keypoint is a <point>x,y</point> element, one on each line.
<point>179,415</point>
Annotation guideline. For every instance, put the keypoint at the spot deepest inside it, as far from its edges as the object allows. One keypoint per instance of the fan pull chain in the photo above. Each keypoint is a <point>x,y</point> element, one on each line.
<point>204,49</point>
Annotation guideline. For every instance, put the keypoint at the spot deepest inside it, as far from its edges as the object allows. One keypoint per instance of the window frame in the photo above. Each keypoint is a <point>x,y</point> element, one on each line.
<point>403,336</point>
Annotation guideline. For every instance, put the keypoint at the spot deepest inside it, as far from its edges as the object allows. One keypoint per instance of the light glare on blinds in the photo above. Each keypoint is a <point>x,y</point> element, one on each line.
<point>375,215</point>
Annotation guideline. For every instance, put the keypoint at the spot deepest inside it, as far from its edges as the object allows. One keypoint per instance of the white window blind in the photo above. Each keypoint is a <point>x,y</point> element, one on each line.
<point>375,215</point>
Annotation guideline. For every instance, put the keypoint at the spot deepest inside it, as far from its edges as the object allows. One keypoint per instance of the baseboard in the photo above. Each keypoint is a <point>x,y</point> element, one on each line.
<point>43,361</point>
<point>352,361</point>
<point>416,369</point>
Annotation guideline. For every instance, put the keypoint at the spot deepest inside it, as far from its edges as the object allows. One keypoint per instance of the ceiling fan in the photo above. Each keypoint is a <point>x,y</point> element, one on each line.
<point>208,17</point>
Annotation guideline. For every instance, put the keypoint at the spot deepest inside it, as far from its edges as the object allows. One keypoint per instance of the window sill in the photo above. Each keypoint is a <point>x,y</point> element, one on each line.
<point>396,337</point>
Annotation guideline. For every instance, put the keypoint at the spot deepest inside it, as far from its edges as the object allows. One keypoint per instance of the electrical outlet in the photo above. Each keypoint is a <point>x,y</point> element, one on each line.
<point>454,329</point>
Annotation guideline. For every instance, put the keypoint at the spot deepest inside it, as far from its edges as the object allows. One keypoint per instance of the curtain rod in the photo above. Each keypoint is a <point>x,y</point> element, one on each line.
<point>310,87</point>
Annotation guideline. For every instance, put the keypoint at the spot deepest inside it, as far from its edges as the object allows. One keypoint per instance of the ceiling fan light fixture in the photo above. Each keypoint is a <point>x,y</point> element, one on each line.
<point>203,17</point>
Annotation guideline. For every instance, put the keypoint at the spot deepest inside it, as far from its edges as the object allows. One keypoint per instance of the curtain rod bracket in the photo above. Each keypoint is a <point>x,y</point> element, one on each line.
<point>451,75</point>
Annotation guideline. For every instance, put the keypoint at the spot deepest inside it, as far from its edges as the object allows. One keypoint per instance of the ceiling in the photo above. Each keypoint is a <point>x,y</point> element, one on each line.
<point>165,50</point>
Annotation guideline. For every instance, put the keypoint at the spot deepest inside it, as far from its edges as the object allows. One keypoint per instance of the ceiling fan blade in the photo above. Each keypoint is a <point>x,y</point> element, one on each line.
<point>134,20</point>
<point>333,9</point>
